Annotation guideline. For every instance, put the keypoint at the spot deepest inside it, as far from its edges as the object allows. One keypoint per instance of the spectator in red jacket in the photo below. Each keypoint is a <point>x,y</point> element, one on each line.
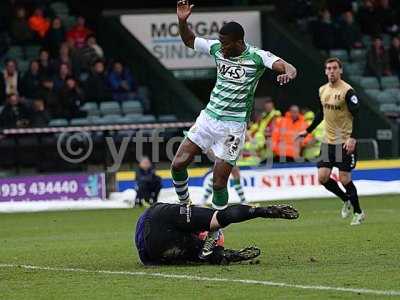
<point>38,23</point>
<point>79,33</point>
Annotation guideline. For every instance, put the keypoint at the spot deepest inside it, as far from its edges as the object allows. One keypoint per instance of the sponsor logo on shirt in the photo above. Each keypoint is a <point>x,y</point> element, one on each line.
<point>231,72</point>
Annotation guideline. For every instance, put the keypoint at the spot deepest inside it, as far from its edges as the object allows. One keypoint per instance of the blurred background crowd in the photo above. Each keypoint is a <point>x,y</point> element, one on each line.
<point>52,66</point>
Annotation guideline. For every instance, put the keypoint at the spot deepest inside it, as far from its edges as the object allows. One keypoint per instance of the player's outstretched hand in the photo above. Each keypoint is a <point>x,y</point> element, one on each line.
<point>183,10</point>
<point>282,212</point>
<point>284,79</point>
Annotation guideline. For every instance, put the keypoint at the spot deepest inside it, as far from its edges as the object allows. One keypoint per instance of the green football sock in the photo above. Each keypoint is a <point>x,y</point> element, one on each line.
<point>180,181</point>
<point>220,198</point>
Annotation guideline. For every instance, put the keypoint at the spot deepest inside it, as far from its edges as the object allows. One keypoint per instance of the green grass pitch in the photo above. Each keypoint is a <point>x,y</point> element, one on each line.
<point>319,249</point>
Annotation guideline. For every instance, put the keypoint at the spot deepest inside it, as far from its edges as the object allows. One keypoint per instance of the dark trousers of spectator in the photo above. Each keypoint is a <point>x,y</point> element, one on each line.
<point>148,191</point>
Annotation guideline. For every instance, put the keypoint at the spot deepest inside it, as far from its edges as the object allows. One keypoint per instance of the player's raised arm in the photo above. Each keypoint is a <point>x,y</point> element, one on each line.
<point>183,11</point>
<point>287,71</point>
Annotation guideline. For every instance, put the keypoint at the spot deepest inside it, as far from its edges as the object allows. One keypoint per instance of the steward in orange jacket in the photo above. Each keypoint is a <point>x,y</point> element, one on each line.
<point>285,131</point>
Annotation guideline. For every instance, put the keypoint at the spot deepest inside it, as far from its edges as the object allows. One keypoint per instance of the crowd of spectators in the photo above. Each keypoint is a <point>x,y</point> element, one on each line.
<point>272,135</point>
<point>69,70</point>
<point>373,25</point>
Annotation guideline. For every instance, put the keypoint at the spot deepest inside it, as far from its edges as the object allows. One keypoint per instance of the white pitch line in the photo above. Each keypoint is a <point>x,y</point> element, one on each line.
<point>211,279</point>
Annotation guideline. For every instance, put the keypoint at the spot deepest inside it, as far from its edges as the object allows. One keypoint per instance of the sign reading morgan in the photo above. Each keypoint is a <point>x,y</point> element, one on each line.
<point>159,33</point>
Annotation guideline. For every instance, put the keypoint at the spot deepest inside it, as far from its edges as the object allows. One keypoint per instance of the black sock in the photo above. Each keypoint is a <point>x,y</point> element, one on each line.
<point>332,186</point>
<point>238,213</point>
<point>352,193</point>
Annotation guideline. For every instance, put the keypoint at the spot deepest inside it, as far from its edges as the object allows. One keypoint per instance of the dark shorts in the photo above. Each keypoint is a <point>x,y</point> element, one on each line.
<point>167,235</point>
<point>335,156</point>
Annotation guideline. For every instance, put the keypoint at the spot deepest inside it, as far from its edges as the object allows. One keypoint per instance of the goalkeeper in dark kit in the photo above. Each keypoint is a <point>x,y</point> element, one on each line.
<point>175,233</point>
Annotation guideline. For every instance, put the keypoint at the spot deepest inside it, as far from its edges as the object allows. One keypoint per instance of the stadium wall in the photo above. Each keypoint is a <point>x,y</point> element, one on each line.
<point>82,191</point>
<point>282,181</point>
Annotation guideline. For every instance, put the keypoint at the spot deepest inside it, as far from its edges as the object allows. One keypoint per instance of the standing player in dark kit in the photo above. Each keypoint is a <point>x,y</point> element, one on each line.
<point>163,235</point>
<point>338,108</point>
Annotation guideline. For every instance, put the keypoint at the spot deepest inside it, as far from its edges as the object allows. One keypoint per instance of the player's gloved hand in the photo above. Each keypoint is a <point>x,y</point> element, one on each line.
<point>282,212</point>
<point>301,134</point>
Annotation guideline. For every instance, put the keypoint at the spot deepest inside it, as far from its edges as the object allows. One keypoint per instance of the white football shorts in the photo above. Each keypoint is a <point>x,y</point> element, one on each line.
<point>224,138</point>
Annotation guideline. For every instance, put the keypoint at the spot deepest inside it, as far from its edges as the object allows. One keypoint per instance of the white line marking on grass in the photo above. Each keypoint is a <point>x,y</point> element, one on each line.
<point>211,279</point>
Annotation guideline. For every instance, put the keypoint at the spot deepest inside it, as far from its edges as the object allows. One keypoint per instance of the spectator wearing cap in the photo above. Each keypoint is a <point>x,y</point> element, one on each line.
<point>79,33</point>
<point>15,114</point>
<point>377,60</point>
<point>39,24</point>
<point>30,82</point>
<point>10,80</point>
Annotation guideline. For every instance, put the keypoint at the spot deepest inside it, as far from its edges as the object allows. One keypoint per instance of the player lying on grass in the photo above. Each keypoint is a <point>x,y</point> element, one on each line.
<point>163,235</point>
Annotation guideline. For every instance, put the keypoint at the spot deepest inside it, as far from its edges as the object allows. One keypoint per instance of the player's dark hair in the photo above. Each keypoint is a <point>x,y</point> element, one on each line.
<point>233,29</point>
<point>334,59</point>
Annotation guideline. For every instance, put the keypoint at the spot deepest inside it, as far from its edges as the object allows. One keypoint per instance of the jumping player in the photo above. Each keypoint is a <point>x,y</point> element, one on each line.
<point>221,126</point>
<point>163,235</point>
<point>339,106</point>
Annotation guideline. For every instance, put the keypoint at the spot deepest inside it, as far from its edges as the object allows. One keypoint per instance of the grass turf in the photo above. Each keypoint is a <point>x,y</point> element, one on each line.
<point>318,249</point>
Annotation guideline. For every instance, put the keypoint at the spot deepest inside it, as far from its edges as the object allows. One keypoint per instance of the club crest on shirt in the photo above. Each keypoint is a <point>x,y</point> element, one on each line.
<point>354,99</point>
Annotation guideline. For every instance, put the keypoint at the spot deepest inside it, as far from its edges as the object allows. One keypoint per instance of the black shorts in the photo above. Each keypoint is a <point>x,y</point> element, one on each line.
<point>335,156</point>
<point>169,237</point>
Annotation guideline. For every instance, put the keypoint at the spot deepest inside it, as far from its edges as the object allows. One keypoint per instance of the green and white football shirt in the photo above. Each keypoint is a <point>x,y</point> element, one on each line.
<point>237,78</point>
